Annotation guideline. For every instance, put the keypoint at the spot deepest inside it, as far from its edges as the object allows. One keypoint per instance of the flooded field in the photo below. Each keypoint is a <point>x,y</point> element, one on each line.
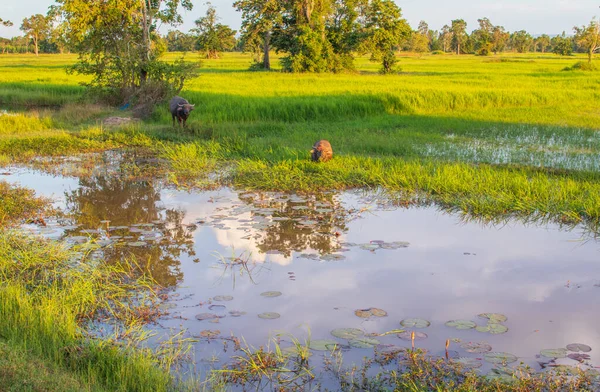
<point>340,268</point>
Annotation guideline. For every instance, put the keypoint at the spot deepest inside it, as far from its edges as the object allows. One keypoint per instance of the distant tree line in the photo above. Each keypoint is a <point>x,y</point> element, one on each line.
<point>322,36</point>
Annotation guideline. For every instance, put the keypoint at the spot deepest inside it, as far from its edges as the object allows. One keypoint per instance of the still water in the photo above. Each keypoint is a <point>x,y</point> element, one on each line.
<point>323,257</point>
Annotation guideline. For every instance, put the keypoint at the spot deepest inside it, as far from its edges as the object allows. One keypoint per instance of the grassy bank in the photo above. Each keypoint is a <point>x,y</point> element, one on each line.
<point>47,293</point>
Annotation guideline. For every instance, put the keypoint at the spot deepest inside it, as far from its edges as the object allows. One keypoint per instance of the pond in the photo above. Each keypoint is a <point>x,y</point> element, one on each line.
<point>255,264</point>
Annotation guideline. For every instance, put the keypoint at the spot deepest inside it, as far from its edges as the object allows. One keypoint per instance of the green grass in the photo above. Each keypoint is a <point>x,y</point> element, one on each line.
<point>47,293</point>
<point>491,136</point>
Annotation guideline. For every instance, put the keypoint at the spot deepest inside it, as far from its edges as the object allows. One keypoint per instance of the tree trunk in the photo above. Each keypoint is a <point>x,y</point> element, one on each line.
<point>266,58</point>
<point>35,44</point>
<point>458,48</point>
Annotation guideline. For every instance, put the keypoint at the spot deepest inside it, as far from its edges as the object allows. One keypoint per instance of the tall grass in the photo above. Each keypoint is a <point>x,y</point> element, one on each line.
<point>45,295</point>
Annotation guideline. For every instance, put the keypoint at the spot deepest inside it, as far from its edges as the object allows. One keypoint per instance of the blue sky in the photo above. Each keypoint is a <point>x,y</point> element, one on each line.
<point>535,16</point>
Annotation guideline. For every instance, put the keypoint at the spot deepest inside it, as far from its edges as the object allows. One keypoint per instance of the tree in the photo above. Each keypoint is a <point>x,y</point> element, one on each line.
<point>213,37</point>
<point>258,20</point>
<point>483,37</point>
<point>384,28</point>
<point>562,45</point>
<point>588,38</point>
<point>36,27</point>
<point>459,33</point>
<point>500,39</point>
<point>180,42</point>
<point>118,45</point>
<point>446,38</point>
<point>418,42</point>
<point>542,43</point>
<point>5,23</point>
<point>521,41</point>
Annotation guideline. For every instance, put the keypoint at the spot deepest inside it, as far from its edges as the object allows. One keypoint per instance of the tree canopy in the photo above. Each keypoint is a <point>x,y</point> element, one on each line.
<point>36,27</point>
<point>213,37</point>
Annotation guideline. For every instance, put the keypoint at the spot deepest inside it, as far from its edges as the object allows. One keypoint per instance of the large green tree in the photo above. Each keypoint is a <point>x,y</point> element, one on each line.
<point>459,34</point>
<point>562,45</point>
<point>213,37</point>
<point>542,43</point>
<point>118,45</point>
<point>37,28</point>
<point>521,41</point>
<point>483,37</point>
<point>259,17</point>
<point>384,29</point>
<point>588,38</point>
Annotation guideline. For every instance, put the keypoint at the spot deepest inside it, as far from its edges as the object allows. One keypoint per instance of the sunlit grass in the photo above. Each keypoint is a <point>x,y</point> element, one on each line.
<point>45,295</point>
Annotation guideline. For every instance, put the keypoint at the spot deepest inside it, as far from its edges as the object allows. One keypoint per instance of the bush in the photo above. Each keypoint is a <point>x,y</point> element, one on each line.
<point>582,66</point>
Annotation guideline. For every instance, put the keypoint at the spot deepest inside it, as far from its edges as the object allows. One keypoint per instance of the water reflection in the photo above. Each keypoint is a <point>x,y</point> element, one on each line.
<point>411,262</point>
<point>129,212</point>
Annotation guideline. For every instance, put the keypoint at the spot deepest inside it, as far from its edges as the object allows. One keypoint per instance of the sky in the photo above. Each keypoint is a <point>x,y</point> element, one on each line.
<point>535,16</point>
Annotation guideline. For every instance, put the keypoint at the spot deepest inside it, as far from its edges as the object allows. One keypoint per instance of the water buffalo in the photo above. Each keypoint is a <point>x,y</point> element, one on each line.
<point>321,151</point>
<point>180,110</point>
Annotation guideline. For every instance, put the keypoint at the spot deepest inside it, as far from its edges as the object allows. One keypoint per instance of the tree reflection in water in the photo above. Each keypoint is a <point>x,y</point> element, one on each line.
<point>125,203</point>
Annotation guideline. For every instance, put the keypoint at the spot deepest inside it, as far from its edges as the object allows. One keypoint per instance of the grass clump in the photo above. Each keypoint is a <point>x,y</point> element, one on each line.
<point>48,291</point>
<point>582,66</point>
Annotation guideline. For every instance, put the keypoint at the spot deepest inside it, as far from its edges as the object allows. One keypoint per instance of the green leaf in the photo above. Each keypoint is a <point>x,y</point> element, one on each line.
<point>497,357</point>
<point>323,345</point>
<point>269,315</point>
<point>415,323</point>
<point>578,347</point>
<point>554,353</point>
<point>364,342</point>
<point>478,348</point>
<point>494,317</point>
<point>271,294</point>
<point>461,324</point>
<point>347,333</point>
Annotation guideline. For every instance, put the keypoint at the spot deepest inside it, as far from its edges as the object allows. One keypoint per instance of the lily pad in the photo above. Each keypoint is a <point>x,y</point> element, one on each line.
<point>492,328</point>
<point>206,316</point>
<point>269,315</point>
<point>332,257</point>
<point>477,348</point>
<point>223,298</point>
<point>406,335</point>
<point>364,342</point>
<point>347,333</point>
<point>578,347</point>
<point>469,363</point>
<point>554,353</point>
<point>497,357</point>
<point>236,313</point>
<point>461,324</point>
<point>415,323</point>
<point>494,317</point>
<point>323,345</point>
<point>217,307</point>
<point>579,357</point>
<point>369,246</point>
<point>366,313</point>
<point>208,333</point>
<point>271,294</point>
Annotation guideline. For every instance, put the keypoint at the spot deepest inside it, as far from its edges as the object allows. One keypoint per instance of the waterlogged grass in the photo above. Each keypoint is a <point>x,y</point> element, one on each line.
<point>410,370</point>
<point>45,296</point>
